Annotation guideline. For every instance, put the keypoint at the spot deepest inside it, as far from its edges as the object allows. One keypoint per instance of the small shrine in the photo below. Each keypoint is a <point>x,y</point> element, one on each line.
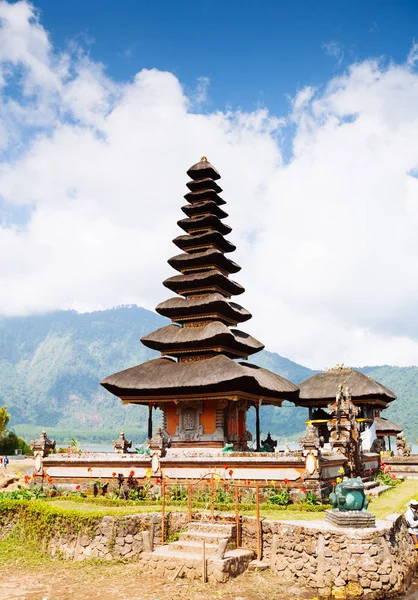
<point>319,392</point>
<point>202,383</point>
<point>43,445</point>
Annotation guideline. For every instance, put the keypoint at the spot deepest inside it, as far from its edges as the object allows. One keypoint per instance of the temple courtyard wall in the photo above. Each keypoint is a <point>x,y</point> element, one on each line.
<point>373,563</point>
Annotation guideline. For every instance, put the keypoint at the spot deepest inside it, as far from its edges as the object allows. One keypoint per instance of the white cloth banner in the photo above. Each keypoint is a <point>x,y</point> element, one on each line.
<point>368,437</point>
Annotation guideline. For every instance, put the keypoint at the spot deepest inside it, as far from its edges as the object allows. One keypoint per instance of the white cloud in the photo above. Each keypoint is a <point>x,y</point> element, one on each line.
<point>328,242</point>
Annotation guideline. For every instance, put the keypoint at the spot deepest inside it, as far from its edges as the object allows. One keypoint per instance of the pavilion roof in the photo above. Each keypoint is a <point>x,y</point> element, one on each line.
<point>385,426</point>
<point>325,386</point>
<point>214,375</point>
<point>179,308</point>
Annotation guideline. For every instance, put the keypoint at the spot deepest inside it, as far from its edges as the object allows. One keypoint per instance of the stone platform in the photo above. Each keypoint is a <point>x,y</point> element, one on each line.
<point>350,518</point>
<point>184,558</point>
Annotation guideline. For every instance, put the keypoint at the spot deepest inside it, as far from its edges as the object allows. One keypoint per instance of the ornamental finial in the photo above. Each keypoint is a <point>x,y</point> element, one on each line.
<point>203,159</point>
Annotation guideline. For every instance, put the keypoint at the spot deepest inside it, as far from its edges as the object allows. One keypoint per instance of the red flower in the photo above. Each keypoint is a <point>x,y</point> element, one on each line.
<point>27,478</point>
<point>50,480</point>
<point>131,473</point>
<point>226,467</point>
<point>248,482</point>
<point>303,490</point>
<point>393,476</point>
<point>77,487</point>
<point>333,483</point>
<point>89,469</point>
<point>158,481</point>
<point>231,472</point>
<point>285,481</point>
<point>227,488</point>
<point>113,474</point>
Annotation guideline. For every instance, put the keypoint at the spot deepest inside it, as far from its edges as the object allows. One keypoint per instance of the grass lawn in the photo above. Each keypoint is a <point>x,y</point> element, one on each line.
<point>394,500</point>
<point>93,507</point>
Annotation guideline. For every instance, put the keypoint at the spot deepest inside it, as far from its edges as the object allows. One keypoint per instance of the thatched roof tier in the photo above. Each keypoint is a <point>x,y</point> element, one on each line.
<point>322,388</point>
<point>206,207</point>
<point>213,337</point>
<point>210,258</point>
<point>203,282</point>
<point>203,169</point>
<point>198,242</point>
<point>202,195</point>
<point>213,305</point>
<point>205,183</point>
<point>163,377</point>
<point>207,222</point>
<point>386,427</point>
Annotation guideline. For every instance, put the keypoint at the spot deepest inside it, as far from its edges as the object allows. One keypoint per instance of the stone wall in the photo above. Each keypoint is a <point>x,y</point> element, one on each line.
<point>347,563</point>
<point>112,538</point>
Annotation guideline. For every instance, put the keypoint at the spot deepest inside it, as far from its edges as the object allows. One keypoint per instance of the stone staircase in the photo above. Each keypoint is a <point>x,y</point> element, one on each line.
<point>184,558</point>
<point>373,488</point>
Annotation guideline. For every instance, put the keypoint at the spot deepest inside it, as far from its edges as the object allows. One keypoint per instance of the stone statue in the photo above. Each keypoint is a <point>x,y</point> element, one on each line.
<point>121,445</point>
<point>402,448</point>
<point>268,445</point>
<point>344,430</point>
<point>349,495</point>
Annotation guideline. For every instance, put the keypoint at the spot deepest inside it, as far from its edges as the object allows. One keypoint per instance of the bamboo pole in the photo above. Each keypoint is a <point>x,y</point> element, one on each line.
<point>162,513</point>
<point>189,501</point>
<point>212,501</point>
<point>257,518</point>
<point>236,491</point>
<point>203,561</point>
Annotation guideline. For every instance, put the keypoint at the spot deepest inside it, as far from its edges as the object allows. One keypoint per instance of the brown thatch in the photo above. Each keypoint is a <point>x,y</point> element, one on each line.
<point>187,242</point>
<point>205,222</point>
<point>324,386</point>
<point>202,195</point>
<point>205,183</point>
<point>214,304</point>
<point>165,377</point>
<point>205,207</point>
<point>209,280</point>
<point>386,427</point>
<point>213,335</point>
<point>203,169</point>
<point>210,257</point>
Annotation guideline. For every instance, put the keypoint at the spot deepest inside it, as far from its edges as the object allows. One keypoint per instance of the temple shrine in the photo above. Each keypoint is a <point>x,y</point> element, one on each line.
<point>202,382</point>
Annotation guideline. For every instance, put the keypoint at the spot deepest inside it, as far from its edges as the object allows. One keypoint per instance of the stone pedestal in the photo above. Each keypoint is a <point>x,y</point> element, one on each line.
<point>350,518</point>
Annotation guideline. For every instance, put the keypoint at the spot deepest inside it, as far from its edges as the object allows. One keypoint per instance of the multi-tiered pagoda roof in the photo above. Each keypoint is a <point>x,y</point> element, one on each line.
<point>201,347</point>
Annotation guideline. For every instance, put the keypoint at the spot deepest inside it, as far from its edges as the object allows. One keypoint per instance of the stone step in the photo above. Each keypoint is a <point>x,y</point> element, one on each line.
<point>377,491</point>
<point>194,547</point>
<point>369,485</point>
<point>227,529</point>
<point>208,536</point>
<point>170,564</point>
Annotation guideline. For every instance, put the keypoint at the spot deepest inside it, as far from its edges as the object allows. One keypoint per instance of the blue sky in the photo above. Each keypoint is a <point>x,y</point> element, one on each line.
<point>253,52</point>
<point>308,110</point>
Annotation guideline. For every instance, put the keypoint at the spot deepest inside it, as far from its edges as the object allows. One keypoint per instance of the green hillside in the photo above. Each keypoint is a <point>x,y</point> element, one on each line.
<point>51,366</point>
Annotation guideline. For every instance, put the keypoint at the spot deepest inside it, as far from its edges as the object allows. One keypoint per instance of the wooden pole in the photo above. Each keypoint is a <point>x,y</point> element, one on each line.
<point>212,500</point>
<point>149,421</point>
<point>257,427</point>
<point>162,513</point>
<point>203,561</point>
<point>236,491</point>
<point>257,518</point>
<point>189,501</point>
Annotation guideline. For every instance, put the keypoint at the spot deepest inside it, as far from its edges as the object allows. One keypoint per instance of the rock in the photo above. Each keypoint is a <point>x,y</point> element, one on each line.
<point>354,590</point>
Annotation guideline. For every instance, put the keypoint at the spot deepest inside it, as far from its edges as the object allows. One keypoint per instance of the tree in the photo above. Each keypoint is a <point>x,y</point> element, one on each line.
<point>4,420</point>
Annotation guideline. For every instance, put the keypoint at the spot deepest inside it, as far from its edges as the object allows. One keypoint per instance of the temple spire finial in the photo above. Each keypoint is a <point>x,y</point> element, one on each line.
<point>203,159</point>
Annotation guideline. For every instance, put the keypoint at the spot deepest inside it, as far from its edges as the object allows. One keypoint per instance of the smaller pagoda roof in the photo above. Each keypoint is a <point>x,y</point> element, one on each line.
<point>204,207</point>
<point>180,308</point>
<point>208,238</point>
<point>213,279</point>
<point>203,169</point>
<point>208,258</point>
<point>205,183</point>
<point>204,222</point>
<point>201,195</point>
<point>176,339</point>
<point>386,427</point>
<point>325,386</point>
<point>164,377</point>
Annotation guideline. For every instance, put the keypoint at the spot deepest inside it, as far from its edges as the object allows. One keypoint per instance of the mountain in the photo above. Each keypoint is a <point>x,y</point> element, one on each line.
<point>51,366</point>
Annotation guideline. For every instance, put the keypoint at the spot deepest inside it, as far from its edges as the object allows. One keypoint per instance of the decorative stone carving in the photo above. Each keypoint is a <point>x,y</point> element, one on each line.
<point>402,448</point>
<point>43,445</point>
<point>160,442</point>
<point>344,430</point>
<point>121,445</point>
